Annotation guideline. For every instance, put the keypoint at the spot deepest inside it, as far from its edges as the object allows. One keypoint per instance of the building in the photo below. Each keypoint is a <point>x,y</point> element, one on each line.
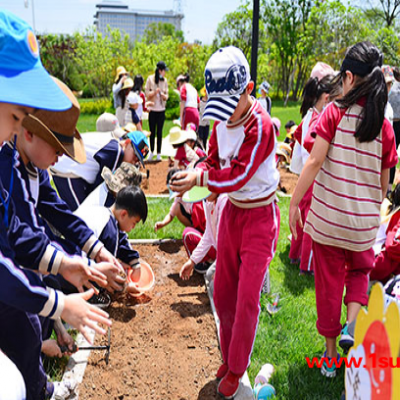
<point>133,22</point>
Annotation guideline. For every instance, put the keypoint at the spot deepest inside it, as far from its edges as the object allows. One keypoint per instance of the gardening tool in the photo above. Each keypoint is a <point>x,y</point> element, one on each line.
<point>64,349</point>
<point>273,308</point>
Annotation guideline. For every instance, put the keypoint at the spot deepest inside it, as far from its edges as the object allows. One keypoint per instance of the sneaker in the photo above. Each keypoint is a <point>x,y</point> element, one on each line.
<point>202,268</point>
<point>346,339</point>
<point>150,156</point>
<point>329,371</point>
<point>229,385</point>
<point>222,371</point>
<point>101,300</point>
<point>158,157</point>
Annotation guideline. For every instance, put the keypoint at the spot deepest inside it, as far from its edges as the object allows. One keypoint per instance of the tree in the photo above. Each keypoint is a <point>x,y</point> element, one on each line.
<point>155,33</point>
<point>285,22</point>
<point>235,30</point>
<point>385,10</point>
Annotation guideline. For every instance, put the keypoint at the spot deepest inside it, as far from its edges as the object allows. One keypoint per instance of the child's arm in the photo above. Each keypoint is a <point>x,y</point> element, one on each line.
<point>307,177</point>
<point>161,224</point>
<point>385,174</point>
<point>187,270</point>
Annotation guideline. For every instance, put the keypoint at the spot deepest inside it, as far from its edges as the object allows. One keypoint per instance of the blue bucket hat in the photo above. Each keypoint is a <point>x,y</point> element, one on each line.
<point>140,144</point>
<point>23,79</point>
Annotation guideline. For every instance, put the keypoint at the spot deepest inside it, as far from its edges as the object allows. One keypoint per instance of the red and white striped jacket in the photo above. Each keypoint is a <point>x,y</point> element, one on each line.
<point>241,160</point>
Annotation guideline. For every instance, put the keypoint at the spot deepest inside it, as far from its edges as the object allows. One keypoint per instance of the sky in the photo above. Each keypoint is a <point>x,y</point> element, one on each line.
<point>68,16</point>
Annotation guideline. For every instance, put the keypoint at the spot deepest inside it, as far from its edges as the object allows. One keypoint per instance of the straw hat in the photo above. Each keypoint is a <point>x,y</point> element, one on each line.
<point>58,128</point>
<point>177,136</point>
<point>120,71</point>
<point>128,84</point>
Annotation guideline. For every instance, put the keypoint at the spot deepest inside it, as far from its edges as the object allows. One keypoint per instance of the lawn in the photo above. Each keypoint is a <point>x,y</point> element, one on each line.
<point>286,338</point>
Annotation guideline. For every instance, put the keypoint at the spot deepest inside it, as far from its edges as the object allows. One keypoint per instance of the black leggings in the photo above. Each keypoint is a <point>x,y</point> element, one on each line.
<point>156,123</point>
<point>396,128</point>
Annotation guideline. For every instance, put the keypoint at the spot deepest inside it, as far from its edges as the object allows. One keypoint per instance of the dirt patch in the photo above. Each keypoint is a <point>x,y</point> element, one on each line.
<point>163,347</point>
<point>159,171</point>
<point>288,180</point>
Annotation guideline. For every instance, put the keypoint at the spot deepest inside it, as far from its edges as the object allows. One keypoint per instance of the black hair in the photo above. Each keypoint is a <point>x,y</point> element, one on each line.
<point>171,173</point>
<point>119,78</point>
<point>200,160</point>
<point>289,124</point>
<point>394,198</point>
<point>122,95</point>
<point>364,60</point>
<point>137,84</point>
<point>132,199</point>
<point>313,90</point>
<point>396,73</point>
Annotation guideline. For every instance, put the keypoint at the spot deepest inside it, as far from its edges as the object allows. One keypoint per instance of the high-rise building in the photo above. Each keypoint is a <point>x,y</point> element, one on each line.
<point>133,22</point>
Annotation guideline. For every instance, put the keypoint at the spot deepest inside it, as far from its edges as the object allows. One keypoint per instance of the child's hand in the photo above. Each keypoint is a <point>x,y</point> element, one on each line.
<point>82,315</point>
<point>51,349</point>
<point>187,270</point>
<point>158,225</point>
<point>106,256</point>
<point>115,276</point>
<point>183,181</point>
<point>75,271</point>
<point>294,218</point>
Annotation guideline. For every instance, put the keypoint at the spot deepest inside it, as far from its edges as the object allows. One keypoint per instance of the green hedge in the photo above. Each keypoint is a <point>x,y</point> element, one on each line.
<point>97,107</point>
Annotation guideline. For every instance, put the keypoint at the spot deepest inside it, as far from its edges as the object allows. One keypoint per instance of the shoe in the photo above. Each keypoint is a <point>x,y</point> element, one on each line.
<point>306,273</point>
<point>329,372</point>
<point>158,157</point>
<point>346,340</point>
<point>202,268</point>
<point>222,371</point>
<point>229,385</point>
<point>294,261</point>
<point>101,300</point>
<point>150,156</point>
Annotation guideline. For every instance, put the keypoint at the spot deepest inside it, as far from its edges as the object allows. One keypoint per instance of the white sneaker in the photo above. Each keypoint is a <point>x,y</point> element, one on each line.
<point>158,157</point>
<point>150,156</point>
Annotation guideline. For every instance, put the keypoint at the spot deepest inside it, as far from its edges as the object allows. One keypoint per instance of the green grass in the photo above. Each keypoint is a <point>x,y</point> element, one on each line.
<point>158,208</point>
<point>87,123</point>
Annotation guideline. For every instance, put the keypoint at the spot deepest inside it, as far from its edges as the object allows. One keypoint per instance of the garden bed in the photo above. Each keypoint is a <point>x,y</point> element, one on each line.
<point>162,347</point>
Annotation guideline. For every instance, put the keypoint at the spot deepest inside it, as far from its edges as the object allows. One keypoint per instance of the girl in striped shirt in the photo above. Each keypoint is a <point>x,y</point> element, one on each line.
<point>350,161</point>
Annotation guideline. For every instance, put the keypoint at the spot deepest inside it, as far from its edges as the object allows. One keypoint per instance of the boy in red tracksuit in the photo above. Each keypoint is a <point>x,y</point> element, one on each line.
<point>241,162</point>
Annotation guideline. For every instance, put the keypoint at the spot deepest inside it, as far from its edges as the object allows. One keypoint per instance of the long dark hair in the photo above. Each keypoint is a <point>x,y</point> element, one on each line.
<point>138,84</point>
<point>394,198</point>
<point>157,76</point>
<point>313,90</point>
<point>365,60</point>
<point>122,95</point>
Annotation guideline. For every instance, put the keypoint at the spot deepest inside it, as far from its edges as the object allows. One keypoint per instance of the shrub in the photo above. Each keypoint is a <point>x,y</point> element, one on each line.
<point>97,107</point>
<point>172,113</point>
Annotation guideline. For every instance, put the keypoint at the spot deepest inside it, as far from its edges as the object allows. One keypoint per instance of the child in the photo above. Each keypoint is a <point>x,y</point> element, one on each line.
<point>315,98</point>
<point>184,155</point>
<point>25,86</point>
<point>241,162</point>
<point>122,109</point>
<point>37,203</point>
<point>265,100</point>
<point>204,124</point>
<point>355,146</point>
<point>387,251</point>
<point>192,141</point>
<point>108,122</point>
<point>189,111</point>
<point>134,101</point>
<point>102,150</point>
<point>138,82</point>
<point>112,224</point>
<point>188,214</point>
<point>203,248</point>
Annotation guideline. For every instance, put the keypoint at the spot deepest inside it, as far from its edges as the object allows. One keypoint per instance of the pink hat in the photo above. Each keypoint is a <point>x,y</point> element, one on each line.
<point>321,70</point>
<point>277,123</point>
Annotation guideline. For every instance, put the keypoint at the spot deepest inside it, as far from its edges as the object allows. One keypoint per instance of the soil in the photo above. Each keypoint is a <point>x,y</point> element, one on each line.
<point>164,345</point>
<point>159,171</point>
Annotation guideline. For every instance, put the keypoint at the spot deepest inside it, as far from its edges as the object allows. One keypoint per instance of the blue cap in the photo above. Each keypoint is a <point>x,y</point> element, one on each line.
<point>140,144</point>
<point>23,79</point>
